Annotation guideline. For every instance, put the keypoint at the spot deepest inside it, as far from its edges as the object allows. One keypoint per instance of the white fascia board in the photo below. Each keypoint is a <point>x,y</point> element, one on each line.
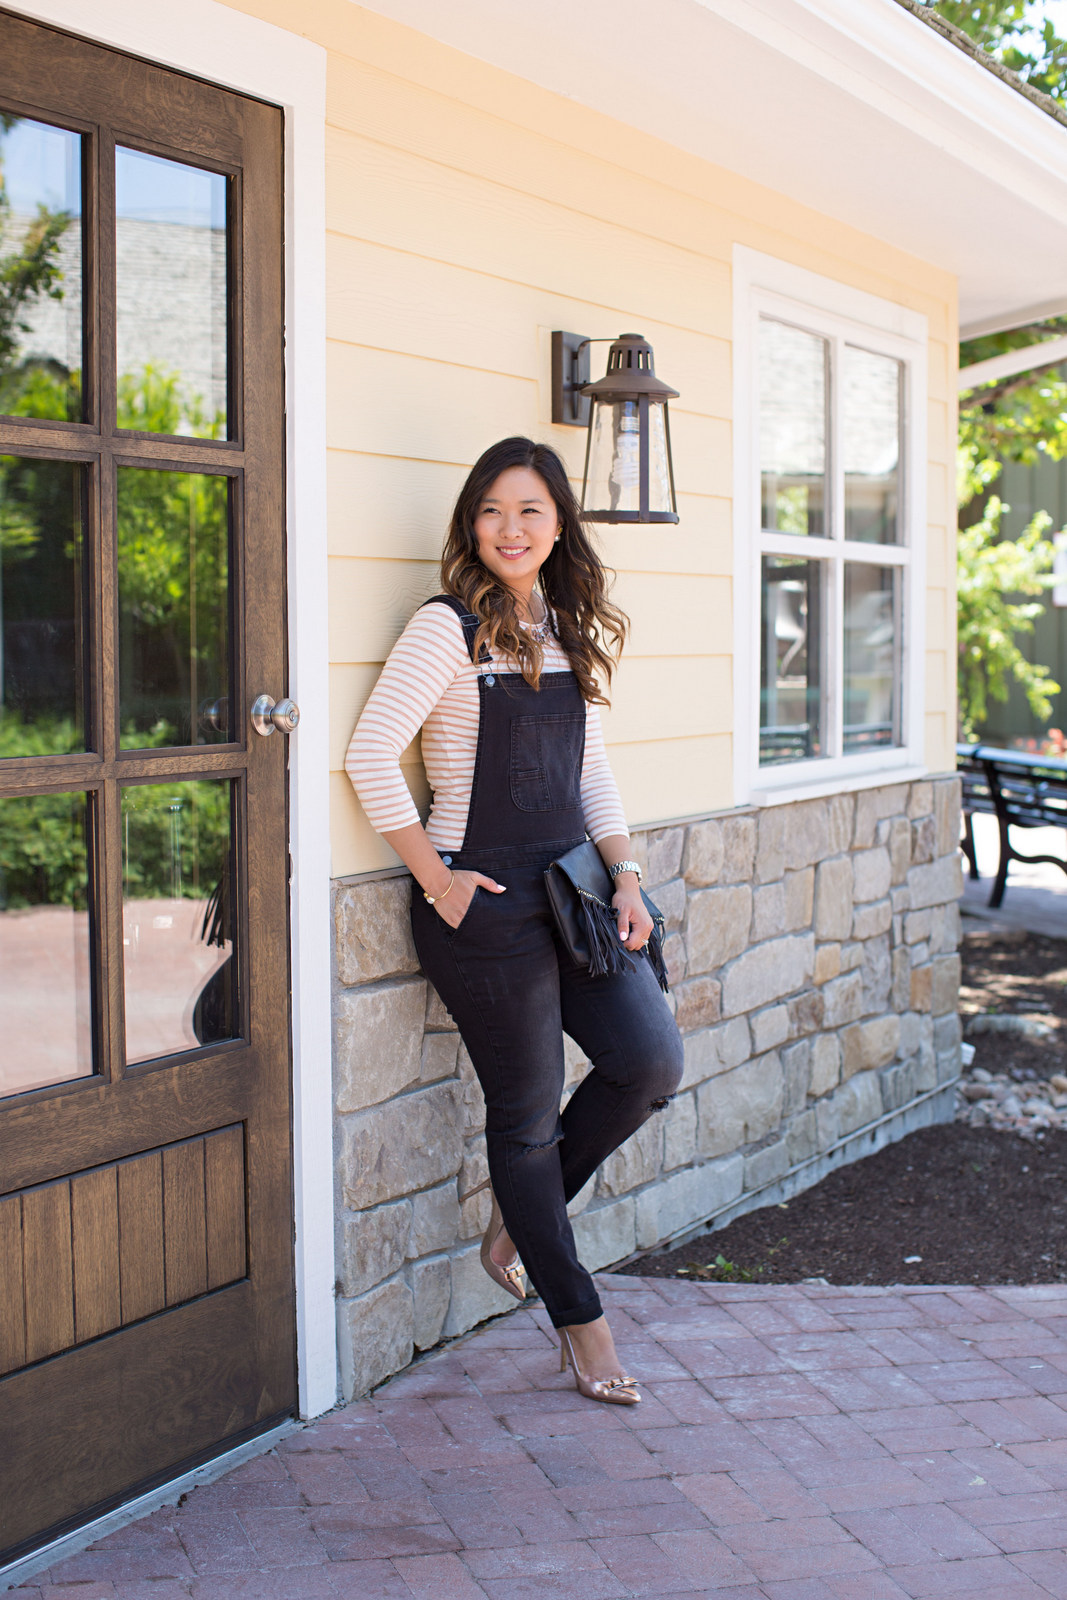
<point>1025,359</point>
<point>1023,317</point>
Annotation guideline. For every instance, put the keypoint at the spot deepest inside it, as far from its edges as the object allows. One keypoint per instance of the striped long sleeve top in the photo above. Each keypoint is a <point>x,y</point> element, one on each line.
<point>430,682</point>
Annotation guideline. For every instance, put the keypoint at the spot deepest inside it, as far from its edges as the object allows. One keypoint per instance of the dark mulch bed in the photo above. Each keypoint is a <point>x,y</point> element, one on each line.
<point>976,1204</point>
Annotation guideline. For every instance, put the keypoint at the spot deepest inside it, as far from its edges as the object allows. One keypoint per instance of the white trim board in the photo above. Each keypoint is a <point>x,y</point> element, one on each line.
<point>214,42</point>
<point>762,282</point>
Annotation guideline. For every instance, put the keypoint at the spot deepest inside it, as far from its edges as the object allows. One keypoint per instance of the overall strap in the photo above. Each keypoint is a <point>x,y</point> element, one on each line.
<point>468,619</point>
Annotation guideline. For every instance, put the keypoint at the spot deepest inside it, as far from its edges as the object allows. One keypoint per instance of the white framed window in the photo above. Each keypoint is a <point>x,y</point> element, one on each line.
<point>829,533</point>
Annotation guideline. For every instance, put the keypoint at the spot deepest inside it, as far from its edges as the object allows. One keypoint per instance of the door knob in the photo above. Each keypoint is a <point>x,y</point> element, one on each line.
<point>268,714</point>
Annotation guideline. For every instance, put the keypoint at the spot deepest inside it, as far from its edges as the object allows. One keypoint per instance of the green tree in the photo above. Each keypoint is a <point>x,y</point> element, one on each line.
<point>27,272</point>
<point>1019,34</point>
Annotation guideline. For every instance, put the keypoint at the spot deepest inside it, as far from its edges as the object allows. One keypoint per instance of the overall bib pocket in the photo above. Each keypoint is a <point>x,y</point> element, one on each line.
<point>546,755</point>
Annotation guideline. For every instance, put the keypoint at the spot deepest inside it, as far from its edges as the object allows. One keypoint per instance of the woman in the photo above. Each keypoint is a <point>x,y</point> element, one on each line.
<point>500,672</point>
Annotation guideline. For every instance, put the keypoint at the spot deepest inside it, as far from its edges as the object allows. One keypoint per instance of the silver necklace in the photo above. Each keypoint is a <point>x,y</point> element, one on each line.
<point>539,631</point>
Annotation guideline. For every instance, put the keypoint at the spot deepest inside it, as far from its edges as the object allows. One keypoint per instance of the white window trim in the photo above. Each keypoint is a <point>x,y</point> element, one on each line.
<point>215,42</point>
<point>763,283</point>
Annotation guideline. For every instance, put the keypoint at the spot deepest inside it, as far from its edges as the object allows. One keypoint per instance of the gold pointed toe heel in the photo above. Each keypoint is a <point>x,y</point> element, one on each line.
<point>620,1391</point>
<point>508,1277</point>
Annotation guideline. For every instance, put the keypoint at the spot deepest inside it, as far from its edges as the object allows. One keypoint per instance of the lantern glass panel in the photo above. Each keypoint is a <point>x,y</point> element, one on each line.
<point>613,483</point>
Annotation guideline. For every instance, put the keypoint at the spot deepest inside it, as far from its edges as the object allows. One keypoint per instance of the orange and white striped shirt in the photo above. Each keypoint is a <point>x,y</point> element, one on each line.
<point>430,682</point>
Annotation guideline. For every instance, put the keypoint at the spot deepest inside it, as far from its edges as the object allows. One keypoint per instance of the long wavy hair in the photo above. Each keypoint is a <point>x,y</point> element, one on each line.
<point>573,579</point>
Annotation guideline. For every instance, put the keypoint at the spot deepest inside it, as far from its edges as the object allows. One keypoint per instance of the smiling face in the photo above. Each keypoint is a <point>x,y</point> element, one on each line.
<point>515,526</point>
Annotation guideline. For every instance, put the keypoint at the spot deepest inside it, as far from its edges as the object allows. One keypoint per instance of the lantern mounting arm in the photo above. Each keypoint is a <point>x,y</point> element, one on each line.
<point>570,374</point>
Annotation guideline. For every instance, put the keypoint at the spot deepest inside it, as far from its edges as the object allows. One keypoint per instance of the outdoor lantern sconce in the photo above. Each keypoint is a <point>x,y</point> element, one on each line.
<point>629,473</point>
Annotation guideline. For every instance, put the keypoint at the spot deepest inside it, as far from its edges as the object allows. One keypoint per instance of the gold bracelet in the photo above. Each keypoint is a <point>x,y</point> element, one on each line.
<point>432,899</point>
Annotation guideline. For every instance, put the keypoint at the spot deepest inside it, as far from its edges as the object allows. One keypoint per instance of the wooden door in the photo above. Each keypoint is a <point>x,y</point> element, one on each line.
<point>146,1282</point>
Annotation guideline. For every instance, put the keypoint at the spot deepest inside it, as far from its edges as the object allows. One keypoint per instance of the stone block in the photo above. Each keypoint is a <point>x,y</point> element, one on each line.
<point>852,956</point>
<point>806,1013</point>
<point>638,852</point>
<point>679,1132</point>
<point>923,841</point>
<point>796,1076</point>
<point>948,1031</point>
<point>876,971</point>
<point>698,1002</point>
<point>405,1144</point>
<point>827,1123</point>
<point>833,898</point>
<point>899,849</point>
<point>377,1042</point>
<point>947,815</point>
<point>372,930</point>
<point>605,1234</point>
<point>872,805</point>
<point>739,849</point>
<point>871,920</point>
<point>431,1290</point>
<point>671,900</point>
<point>842,999</point>
<point>719,921</point>
<point>871,871</point>
<point>439,1052</point>
<point>936,884</point>
<point>767,972</point>
<point>636,1161</point>
<point>768,911</point>
<point>799,899</point>
<point>740,1107</point>
<point>374,1245</point>
<point>922,989</point>
<point>945,983</point>
<point>438,1020</point>
<point>474,1294</point>
<point>921,799</point>
<point>945,932</point>
<point>948,1064</point>
<point>472,1100</point>
<point>767,1165</point>
<point>865,1046</point>
<point>909,1035</point>
<point>827,962</point>
<point>769,1028</point>
<point>687,1198</point>
<point>665,846</point>
<point>918,925</point>
<point>575,1065</point>
<point>841,811</point>
<point>434,1220</point>
<point>375,1336</point>
<point>675,958</point>
<point>770,844</point>
<point>715,1050</point>
<point>801,1139</point>
<point>825,1064</point>
<point>702,859</point>
<point>900,899</point>
<point>900,1083</point>
<point>900,986</point>
<point>858,1102</point>
<point>807,833</point>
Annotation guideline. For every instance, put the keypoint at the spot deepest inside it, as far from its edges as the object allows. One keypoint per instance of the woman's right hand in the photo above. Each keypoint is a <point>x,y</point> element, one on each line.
<point>453,906</point>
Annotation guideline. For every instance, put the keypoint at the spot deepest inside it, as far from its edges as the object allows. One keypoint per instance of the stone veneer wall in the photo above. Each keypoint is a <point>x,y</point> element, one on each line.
<point>812,953</point>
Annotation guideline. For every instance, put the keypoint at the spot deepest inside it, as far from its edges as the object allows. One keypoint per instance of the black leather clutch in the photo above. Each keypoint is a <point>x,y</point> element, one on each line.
<point>579,890</point>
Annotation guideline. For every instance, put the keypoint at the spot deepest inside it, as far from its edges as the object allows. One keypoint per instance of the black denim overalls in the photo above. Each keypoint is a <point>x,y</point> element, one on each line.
<point>513,990</point>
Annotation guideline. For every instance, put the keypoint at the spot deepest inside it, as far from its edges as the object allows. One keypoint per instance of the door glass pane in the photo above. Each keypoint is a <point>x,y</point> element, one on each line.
<point>170,248</point>
<point>45,988</point>
<point>871,443</point>
<point>793,396</point>
<point>872,633</point>
<point>42,607</point>
<point>178,885</point>
<point>791,701</point>
<point>174,608</point>
<point>40,270</point>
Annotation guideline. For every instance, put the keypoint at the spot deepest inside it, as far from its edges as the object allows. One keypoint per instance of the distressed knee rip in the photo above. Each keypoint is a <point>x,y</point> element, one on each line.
<point>528,1147</point>
<point>661,1104</point>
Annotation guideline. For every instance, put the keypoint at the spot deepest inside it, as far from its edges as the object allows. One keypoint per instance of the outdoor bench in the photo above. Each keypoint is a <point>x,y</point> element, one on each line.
<point>1021,791</point>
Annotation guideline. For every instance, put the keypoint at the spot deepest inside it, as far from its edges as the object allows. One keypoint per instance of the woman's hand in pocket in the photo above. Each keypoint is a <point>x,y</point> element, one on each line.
<point>453,906</point>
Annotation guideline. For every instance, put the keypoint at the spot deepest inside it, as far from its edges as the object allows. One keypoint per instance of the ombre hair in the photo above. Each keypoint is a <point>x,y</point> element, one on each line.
<point>573,579</point>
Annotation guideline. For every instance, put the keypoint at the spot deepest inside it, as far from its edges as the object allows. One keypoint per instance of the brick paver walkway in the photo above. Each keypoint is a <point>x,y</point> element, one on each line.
<point>794,1443</point>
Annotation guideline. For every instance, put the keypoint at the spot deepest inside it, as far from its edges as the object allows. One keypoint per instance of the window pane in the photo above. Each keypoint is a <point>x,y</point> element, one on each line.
<point>871,393</point>
<point>791,700</point>
<point>174,608</point>
<point>171,309</point>
<point>40,270</point>
<point>793,395</point>
<point>872,634</point>
<point>178,916</point>
<point>45,986</point>
<point>42,607</point>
